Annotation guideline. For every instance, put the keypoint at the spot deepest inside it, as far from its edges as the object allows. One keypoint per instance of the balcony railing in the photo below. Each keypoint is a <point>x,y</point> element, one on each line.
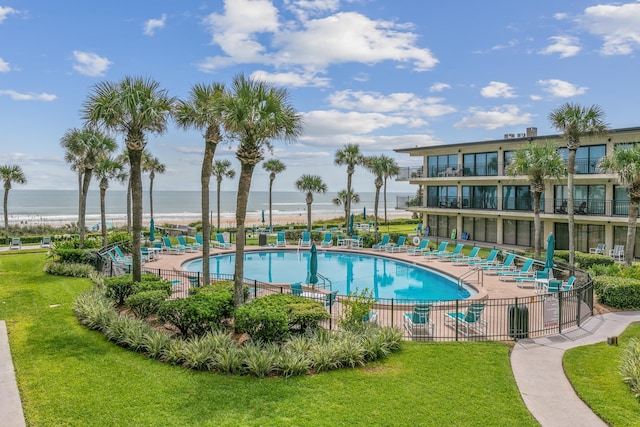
<point>405,174</point>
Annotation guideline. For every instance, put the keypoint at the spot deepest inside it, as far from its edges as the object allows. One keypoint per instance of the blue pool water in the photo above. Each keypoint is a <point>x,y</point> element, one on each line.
<point>346,272</point>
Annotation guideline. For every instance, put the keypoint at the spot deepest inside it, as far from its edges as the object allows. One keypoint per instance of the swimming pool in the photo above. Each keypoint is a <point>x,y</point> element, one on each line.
<point>346,272</point>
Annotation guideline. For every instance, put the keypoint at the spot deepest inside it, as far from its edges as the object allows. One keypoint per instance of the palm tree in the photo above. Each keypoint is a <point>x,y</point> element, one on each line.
<point>133,107</point>
<point>310,184</point>
<point>10,174</point>
<point>341,200</point>
<point>254,113</point>
<point>539,162</point>
<point>350,156</point>
<point>221,169</point>
<point>274,167</point>
<point>378,166</point>
<point>203,112</point>
<point>575,121</point>
<point>107,168</point>
<point>83,148</point>
<point>153,165</point>
<point>626,164</point>
<point>391,170</point>
<point>125,179</point>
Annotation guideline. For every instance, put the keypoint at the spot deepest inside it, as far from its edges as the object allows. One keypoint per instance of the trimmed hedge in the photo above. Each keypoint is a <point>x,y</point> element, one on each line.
<point>197,314</point>
<point>583,260</point>
<point>76,256</point>
<point>618,292</point>
<point>274,317</point>
<point>144,304</point>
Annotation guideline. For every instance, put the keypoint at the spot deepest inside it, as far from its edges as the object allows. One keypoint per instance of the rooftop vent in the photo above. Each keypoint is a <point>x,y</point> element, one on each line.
<point>532,132</point>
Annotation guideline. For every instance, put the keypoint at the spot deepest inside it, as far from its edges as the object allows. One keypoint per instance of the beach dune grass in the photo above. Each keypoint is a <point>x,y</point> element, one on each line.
<point>69,375</point>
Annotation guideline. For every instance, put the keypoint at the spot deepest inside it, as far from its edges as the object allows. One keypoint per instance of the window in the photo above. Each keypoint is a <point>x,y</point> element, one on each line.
<point>587,199</point>
<point>620,238</point>
<point>481,164</point>
<point>481,229</point>
<point>625,145</point>
<point>587,236</point>
<point>480,197</point>
<point>441,225</point>
<point>518,198</point>
<point>442,196</point>
<point>443,165</point>
<point>518,232</point>
<point>587,158</point>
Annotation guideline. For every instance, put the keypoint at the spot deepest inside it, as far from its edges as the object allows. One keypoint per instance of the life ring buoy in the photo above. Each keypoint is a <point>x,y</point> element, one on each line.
<point>416,240</point>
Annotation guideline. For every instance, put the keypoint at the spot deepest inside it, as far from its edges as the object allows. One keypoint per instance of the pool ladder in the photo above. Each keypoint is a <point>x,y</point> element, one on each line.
<point>480,279</point>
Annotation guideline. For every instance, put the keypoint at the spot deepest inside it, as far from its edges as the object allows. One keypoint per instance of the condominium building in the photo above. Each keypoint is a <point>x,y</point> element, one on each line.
<point>464,187</point>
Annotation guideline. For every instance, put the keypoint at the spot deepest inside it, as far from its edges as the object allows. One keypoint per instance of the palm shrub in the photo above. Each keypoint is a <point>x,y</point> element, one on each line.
<point>630,366</point>
<point>69,269</point>
<point>93,309</point>
<point>155,344</point>
<point>261,360</point>
<point>293,362</point>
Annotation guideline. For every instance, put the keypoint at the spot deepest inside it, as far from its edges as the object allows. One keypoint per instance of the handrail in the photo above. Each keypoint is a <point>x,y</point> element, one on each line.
<point>480,279</point>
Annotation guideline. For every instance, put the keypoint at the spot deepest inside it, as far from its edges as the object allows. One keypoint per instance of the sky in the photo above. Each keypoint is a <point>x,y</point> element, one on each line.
<point>383,74</point>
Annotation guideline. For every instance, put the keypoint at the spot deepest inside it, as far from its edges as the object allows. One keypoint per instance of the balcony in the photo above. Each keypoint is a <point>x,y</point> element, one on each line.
<point>405,174</point>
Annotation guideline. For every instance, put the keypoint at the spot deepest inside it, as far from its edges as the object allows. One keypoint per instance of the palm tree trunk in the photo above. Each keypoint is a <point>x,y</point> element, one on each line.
<point>129,204</point>
<point>375,213</point>
<point>151,176</point>
<point>631,232</point>
<point>385,200</point>
<point>79,198</point>
<point>103,212</point>
<point>270,191</point>
<point>218,199</point>
<point>135,160</point>
<point>205,179</point>
<point>244,185</point>
<point>536,225</point>
<point>347,203</point>
<point>6,215</point>
<point>309,201</point>
<point>570,213</point>
<point>83,206</point>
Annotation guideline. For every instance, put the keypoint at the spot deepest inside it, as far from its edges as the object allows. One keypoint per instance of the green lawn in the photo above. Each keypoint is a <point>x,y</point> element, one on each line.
<point>593,371</point>
<point>68,375</point>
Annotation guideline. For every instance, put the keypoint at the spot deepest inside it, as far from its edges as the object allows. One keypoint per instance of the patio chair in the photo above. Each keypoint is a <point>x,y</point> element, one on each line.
<point>441,249</point>
<point>370,317</point>
<point>505,266</point>
<point>280,240</point>
<point>489,260</point>
<point>15,243</point>
<point>330,298</point>
<point>340,240</point>
<point>568,285</point>
<point>357,242</point>
<point>470,322</point>
<point>187,247</point>
<point>305,240</point>
<point>446,256</point>
<point>536,280</point>
<point>417,323</point>
<point>525,270</point>
<point>420,249</point>
<point>194,281</point>
<point>328,240</point>
<point>199,242</point>
<point>383,243</point>
<point>220,242</point>
<point>617,252</point>
<point>553,286</point>
<point>169,247</point>
<point>399,246</point>
<point>45,242</point>
<point>465,260</point>
<point>296,288</point>
<point>599,249</point>
<point>582,209</point>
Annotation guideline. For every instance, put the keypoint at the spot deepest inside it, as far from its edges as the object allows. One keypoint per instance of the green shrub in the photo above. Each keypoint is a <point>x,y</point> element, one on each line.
<point>356,307</point>
<point>69,269</point>
<point>604,270</point>
<point>197,314</point>
<point>223,285</point>
<point>583,260</point>
<point>75,256</point>
<point>144,304</point>
<point>155,284</point>
<point>632,271</point>
<point>630,366</point>
<point>119,288</point>
<point>617,292</point>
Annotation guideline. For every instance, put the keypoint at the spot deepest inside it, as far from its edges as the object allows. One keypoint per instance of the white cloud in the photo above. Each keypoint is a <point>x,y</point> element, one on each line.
<point>152,25</point>
<point>292,79</point>
<point>507,115</point>
<point>535,97</point>
<point>4,66</point>
<point>6,11</point>
<point>305,8</point>
<point>561,89</point>
<point>566,46</point>
<point>439,87</point>
<point>560,16</point>
<point>313,44</point>
<point>400,103</point>
<point>333,123</point>
<point>497,90</point>
<point>617,24</point>
<point>29,96</point>
<point>90,64</point>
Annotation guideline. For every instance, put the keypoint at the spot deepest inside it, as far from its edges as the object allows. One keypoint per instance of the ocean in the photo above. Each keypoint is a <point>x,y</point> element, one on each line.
<point>61,206</point>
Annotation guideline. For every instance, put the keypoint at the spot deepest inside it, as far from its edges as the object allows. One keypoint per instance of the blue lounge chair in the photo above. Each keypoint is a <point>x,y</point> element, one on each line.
<point>569,284</point>
<point>199,243</point>
<point>525,270</point>
<point>465,260</point>
<point>532,278</point>
<point>280,240</point>
<point>505,266</point>
<point>489,260</point>
<point>470,322</point>
<point>420,249</point>
<point>553,286</point>
<point>220,242</point>
<point>340,240</point>
<point>124,258</point>
<point>383,243</point>
<point>169,247</point>
<point>417,323</point>
<point>187,247</point>
<point>328,240</point>
<point>330,299</point>
<point>305,240</point>
<point>446,256</point>
<point>296,288</point>
<point>399,246</point>
<point>194,281</point>
<point>441,249</point>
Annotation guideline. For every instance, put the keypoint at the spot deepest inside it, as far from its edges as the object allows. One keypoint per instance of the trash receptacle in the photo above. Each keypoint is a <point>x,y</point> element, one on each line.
<point>262,239</point>
<point>518,321</point>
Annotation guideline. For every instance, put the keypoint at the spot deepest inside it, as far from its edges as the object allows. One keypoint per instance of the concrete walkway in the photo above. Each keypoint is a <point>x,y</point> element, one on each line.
<point>10,405</point>
<point>537,367</point>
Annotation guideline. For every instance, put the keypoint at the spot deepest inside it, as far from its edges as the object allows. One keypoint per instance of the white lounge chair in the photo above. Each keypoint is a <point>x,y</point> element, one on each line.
<point>617,252</point>
<point>15,243</point>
